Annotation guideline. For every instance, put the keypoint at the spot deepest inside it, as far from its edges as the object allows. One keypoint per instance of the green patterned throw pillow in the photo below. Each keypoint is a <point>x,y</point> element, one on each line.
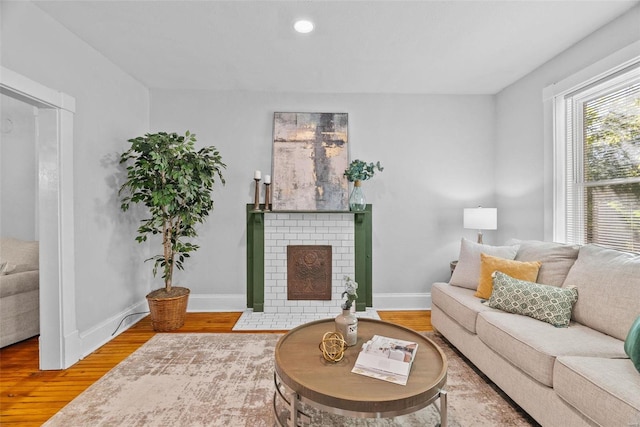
<point>543,302</point>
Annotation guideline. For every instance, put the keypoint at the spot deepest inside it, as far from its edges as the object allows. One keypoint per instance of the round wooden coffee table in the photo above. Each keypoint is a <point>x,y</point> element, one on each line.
<point>303,375</point>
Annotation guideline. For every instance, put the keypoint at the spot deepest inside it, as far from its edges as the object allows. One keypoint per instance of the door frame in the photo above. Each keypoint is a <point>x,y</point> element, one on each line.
<point>59,339</point>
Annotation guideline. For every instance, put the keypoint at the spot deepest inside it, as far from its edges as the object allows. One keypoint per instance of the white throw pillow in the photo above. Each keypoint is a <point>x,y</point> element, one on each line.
<point>467,272</point>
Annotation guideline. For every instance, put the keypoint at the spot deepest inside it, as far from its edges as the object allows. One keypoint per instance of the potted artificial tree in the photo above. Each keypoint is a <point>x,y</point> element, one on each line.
<point>174,181</point>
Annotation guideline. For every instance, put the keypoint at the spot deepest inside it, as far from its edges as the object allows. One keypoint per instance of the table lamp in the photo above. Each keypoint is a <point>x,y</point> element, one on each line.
<point>481,219</point>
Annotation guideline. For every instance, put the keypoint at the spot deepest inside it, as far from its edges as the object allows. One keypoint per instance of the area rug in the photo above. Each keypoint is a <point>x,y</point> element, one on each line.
<point>227,379</point>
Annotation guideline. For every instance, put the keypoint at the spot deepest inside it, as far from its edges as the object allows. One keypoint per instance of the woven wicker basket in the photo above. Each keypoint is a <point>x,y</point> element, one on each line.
<point>168,314</point>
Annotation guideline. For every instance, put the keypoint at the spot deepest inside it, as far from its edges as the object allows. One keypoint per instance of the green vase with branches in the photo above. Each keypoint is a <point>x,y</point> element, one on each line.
<point>357,172</point>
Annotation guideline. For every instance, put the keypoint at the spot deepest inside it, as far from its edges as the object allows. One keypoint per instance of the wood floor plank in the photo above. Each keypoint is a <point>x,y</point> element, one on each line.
<point>419,320</point>
<point>29,397</point>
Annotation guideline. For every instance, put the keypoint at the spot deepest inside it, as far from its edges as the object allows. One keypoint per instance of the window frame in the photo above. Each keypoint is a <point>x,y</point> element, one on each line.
<point>612,70</point>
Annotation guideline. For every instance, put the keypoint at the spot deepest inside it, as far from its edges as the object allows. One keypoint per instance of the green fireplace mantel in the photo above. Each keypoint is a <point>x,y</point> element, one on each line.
<point>255,256</point>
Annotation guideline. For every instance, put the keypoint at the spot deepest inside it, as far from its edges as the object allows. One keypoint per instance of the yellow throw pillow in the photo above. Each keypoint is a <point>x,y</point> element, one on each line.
<point>517,269</point>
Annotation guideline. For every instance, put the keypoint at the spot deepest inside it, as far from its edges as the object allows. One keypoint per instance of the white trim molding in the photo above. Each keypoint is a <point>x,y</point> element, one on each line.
<point>553,97</point>
<point>60,345</point>
<point>106,330</point>
<point>402,301</point>
<point>199,303</point>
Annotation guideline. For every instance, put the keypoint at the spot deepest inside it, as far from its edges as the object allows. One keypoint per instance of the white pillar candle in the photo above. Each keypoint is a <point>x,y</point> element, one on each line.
<point>267,179</point>
<point>257,175</point>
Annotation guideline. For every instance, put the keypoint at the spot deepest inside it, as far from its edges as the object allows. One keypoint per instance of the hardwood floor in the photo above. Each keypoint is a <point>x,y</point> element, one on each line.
<point>29,397</point>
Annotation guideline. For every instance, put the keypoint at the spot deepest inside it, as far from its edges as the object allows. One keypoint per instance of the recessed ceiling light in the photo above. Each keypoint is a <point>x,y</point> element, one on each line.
<point>303,26</point>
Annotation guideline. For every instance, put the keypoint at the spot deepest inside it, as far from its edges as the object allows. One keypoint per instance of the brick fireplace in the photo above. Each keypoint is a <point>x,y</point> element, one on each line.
<point>272,235</point>
<point>285,230</point>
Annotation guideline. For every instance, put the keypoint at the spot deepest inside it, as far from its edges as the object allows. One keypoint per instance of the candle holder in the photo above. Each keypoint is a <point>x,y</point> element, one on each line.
<point>267,196</point>
<point>256,204</point>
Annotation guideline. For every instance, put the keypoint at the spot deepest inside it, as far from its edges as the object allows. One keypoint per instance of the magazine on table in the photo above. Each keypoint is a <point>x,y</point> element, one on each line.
<point>386,359</point>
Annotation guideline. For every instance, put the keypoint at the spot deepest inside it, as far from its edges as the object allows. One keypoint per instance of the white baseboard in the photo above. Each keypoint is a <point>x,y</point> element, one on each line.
<point>402,301</point>
<point>238,302</point>
<point>211,303</point>
<point>104,332</point>
<point>99,335</point>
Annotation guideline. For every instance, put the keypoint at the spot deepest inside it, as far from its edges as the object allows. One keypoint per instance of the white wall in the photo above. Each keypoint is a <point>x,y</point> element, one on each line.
<point>18,191</point>
<point>438,157</point>
<point>110,108</point>
<point>523,162</point>
<point>441,154</point>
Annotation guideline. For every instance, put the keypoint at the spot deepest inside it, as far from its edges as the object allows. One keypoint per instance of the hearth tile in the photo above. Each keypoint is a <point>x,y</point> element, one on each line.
<point>284,321</point>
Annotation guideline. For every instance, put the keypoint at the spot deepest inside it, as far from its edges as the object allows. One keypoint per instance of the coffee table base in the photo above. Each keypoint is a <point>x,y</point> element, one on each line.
<point>297,418</point>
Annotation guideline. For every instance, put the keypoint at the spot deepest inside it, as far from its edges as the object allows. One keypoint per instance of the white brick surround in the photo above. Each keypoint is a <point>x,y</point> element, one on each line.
<point>283,229</point>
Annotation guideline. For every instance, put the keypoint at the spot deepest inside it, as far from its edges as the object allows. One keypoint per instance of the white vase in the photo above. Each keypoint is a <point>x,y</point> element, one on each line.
<point>347,325</point>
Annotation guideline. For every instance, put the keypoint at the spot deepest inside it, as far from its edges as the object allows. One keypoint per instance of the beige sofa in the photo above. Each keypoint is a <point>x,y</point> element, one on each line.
<point>574,376</point>
<point>19,290</point>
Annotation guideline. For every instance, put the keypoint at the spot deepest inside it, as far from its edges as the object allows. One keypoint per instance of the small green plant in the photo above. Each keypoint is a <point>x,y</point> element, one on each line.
<point>350,292</point>
<point>359,170</point>
<point>174,182</point>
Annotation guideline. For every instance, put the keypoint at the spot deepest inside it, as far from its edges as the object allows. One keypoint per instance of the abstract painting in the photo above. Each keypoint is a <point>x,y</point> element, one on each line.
<point>309,158</point>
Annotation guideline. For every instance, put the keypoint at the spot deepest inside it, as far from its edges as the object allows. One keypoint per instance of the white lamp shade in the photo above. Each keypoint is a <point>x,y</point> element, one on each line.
<point>481,218</point>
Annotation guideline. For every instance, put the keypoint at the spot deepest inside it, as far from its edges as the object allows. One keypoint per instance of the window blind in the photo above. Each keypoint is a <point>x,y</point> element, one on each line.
<point>603,163</point>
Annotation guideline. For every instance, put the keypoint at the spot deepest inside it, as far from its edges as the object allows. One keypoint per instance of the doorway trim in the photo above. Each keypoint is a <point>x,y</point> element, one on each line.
<point>59,339</point>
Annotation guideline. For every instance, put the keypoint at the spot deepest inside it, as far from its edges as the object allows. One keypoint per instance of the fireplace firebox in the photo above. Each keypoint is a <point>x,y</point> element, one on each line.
<point>309,272</point>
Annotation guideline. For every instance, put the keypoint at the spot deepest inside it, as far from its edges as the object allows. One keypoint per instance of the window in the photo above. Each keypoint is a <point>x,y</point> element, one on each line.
<point>598,156</point>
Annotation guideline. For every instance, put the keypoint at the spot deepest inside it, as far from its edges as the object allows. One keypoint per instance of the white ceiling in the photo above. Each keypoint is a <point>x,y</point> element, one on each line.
<point>464,47</point>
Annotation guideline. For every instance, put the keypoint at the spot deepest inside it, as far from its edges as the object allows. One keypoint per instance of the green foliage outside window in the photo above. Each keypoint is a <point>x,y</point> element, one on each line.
<point>612,163</point>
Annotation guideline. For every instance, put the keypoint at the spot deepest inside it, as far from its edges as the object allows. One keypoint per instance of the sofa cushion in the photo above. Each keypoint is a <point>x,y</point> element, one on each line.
<point>533,346</point>
<point>516,269</point>
<point>608,283</point>
<point>467,272</point>
<point>543,302</point>
<point>609,389</point>
<point>556,258</point>
<point>23,254</point>
<point>459,303</point>
<point>632,344</point>
<point>18,283</point>
<point>19,315</point>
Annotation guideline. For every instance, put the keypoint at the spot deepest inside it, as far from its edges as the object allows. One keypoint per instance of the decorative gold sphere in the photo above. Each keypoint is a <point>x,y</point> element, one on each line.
<point>333,346</point>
